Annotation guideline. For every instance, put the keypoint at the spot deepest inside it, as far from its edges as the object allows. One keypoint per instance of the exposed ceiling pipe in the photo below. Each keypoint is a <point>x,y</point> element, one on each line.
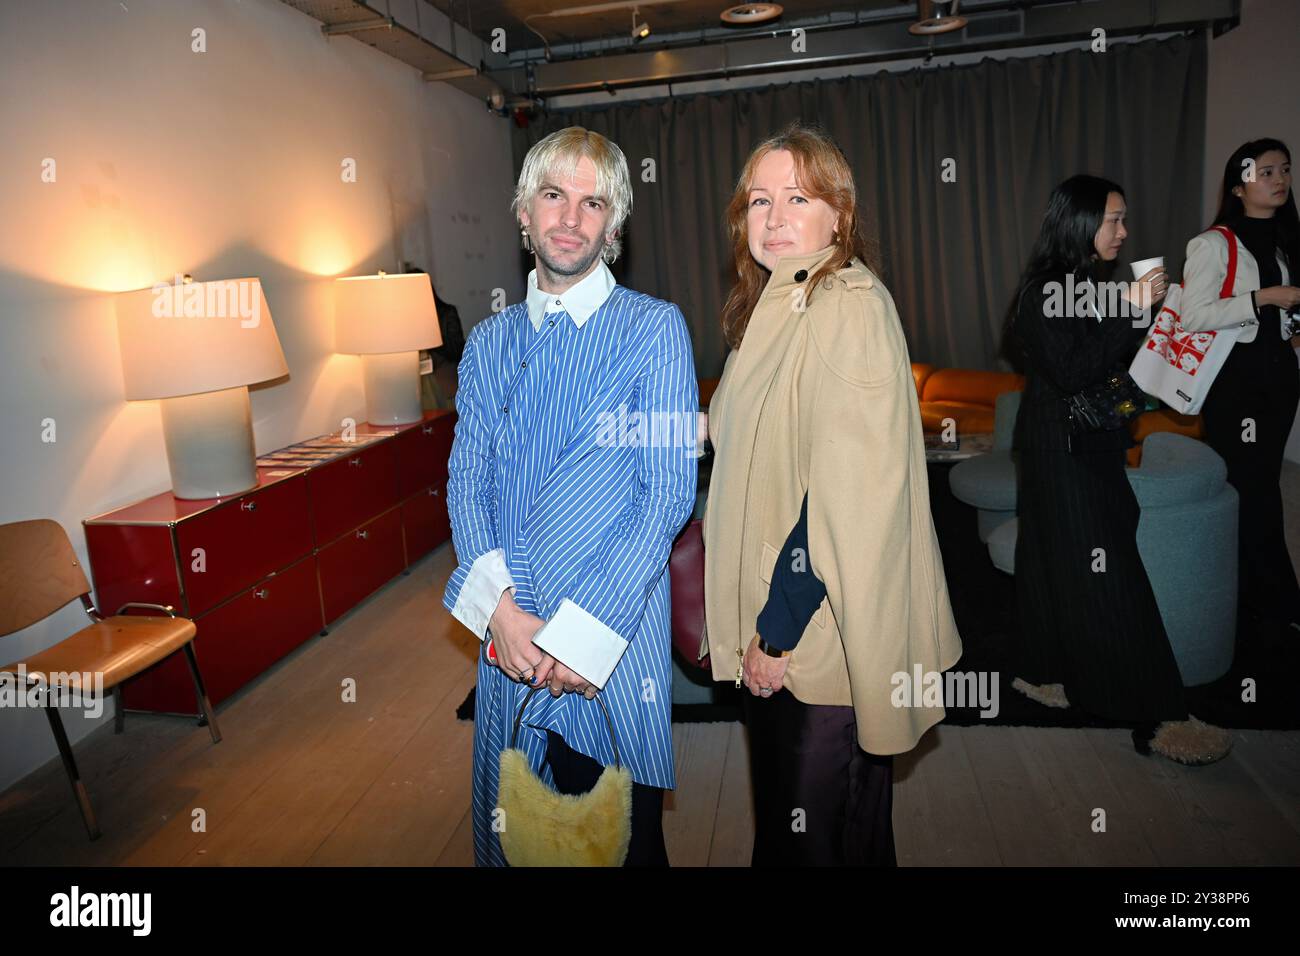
<point>879,40</point>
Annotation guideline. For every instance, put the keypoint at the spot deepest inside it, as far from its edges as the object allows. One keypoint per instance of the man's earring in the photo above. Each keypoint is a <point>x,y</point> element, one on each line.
<point>525,239</point>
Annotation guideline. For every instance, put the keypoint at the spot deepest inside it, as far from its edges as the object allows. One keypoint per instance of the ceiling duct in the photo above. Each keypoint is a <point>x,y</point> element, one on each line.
<point>993,25</point>
<point>1000,26</point>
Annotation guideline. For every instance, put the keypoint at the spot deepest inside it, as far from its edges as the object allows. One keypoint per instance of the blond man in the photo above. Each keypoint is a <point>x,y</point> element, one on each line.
<point>563,518</point>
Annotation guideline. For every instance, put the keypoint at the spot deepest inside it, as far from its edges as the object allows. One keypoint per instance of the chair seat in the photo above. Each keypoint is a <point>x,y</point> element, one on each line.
<point>986,481</point>
<point>117,647</point>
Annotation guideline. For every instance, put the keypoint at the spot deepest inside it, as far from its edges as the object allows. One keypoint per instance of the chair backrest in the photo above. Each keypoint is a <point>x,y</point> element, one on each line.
<point>1005,409</point>
<point>920,372</point>
<point>686,580</point>
<point>39,573</point>
<point>970,386</point>
<point>1177,470</point>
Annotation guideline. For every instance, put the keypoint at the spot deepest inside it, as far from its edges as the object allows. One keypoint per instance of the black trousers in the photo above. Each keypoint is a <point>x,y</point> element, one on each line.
<point>819,798</point>
<point>575,773</point>
<point>1260,382</point>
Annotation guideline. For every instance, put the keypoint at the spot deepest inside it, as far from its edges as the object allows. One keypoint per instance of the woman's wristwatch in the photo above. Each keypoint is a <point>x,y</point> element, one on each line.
<point>771,651</point>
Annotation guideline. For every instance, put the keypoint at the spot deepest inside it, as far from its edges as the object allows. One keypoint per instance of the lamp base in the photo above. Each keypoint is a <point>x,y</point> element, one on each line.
<point>210,443</point>
<point>393,388</point>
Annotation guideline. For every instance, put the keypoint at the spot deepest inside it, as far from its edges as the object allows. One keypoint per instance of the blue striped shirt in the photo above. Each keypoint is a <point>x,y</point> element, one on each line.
<point>575,455</point>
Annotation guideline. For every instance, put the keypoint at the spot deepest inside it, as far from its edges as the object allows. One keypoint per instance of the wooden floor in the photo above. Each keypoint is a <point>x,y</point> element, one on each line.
<point>303,778</point>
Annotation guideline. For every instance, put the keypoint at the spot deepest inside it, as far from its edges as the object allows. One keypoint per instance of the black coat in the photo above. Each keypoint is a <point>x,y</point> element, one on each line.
<point>1099,634</point>
<point>1064,355</point>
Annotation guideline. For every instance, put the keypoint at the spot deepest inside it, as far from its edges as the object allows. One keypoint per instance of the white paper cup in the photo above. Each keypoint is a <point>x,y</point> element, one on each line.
<point>1146,265</point>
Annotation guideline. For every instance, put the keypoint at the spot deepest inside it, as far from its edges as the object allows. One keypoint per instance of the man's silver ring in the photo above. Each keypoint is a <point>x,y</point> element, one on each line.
<point>765,691</point>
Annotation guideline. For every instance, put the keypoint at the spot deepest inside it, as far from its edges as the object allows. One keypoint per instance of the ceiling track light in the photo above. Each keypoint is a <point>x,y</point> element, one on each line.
<point>639,30</point>
<point>750,14</point>
<point>937,16</point>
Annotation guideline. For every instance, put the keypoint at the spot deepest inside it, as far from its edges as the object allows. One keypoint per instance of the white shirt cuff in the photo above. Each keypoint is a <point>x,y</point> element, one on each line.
<point>581,643</point>
<point>481,592</point>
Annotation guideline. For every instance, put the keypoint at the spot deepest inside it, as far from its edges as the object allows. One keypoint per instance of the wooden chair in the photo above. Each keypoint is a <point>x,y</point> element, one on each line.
<point>39,573</point>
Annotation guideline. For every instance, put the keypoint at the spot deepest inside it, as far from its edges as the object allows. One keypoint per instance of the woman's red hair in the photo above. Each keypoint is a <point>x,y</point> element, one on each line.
<point>823,173</point>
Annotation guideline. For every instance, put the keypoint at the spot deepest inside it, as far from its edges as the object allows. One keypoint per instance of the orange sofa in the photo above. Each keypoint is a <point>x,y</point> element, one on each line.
<point>965,395</point>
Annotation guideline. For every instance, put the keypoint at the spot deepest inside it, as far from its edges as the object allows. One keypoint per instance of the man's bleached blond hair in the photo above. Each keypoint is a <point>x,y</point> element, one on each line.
<point>554,159</point>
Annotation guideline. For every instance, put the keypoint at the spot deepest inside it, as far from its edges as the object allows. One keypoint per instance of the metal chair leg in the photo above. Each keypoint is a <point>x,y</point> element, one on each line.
<point>119,712</point>
<point>205,706</point>
<point>70,765</point>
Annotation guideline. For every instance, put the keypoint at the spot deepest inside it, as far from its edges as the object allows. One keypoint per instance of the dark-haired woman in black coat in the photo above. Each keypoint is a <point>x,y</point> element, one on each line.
<point>1091,633</point>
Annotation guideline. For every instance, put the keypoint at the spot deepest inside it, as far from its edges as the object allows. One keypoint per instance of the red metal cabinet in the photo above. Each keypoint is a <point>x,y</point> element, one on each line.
<point>359,563</point>
<point>134,562</point>
<point>236,642</point>
<point>280,561</point>
<point>348,491</point>
<point>422,454</point>
<point>425,521</point>
<point>242,541</point>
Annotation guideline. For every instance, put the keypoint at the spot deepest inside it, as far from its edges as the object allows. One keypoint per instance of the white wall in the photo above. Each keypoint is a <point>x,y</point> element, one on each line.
<point>1254,79</point>
<point>1254,82</point>
<point>220,164</point>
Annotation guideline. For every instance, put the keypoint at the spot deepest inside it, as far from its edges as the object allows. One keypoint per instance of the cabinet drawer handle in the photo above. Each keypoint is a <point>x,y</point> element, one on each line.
<point>427,429</point>
<point>434,492</point>
<point>262,593</point>
<point>354,462</point>
<point>363,535</point>
<point>248,505</point>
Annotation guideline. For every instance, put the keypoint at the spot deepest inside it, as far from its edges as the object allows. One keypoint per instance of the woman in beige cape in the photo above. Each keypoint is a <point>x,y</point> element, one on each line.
<point>818,524</point>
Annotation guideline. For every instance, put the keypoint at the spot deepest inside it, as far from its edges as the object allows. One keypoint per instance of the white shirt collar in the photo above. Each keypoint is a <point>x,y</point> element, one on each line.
<point>581,300</point>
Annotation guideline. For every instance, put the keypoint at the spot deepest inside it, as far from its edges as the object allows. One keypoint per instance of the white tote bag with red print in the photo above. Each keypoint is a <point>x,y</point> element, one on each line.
<point>1175,365</point>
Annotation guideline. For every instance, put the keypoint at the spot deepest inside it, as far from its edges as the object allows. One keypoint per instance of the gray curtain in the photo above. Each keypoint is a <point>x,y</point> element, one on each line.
<point>951,251</point>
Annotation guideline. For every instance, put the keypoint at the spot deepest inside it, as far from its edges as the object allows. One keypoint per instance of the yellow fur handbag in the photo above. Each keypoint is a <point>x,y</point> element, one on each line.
<point>544,828</point>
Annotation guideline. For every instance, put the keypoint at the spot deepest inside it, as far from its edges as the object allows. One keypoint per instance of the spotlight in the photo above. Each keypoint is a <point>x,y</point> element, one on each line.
<point>639,30</point>
<point>937,16</point>
<point>749,14</point>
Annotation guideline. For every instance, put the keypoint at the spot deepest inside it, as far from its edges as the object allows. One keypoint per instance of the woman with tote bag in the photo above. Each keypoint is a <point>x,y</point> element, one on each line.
<point>1251,405</point>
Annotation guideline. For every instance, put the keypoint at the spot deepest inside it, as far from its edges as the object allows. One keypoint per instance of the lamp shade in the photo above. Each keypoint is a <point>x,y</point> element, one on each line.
<point>186,339</point>
<point>385,313</point>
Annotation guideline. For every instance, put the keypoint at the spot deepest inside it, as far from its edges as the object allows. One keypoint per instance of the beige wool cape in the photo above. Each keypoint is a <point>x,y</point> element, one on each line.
<point>820,398</point>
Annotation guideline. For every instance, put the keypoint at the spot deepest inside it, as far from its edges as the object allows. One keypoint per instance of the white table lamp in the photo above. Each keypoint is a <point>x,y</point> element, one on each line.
<point>197,346</point>
<point>387,319</point>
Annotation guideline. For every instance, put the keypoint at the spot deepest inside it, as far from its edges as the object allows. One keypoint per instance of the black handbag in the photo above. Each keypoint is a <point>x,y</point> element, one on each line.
<point>1106,406</point>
